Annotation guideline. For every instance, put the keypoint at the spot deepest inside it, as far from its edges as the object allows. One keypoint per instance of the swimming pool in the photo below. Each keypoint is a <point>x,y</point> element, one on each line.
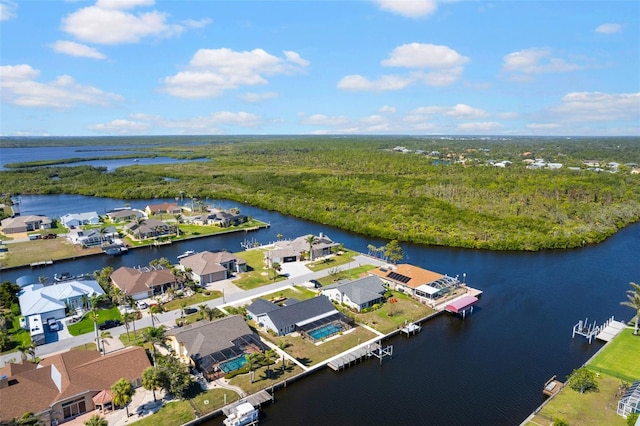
<point>233,364</point>
<point>325,331</point>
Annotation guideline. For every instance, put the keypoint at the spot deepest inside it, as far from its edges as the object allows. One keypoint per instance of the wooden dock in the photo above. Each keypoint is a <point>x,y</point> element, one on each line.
<point>552,386</point>
<point>410,329</point>
<point>353,357</point>
<point>610,329</point>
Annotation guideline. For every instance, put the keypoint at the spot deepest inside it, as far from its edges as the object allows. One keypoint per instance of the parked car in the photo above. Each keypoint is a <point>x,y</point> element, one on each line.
<point>53,324</point>
<point>109,324</point>
<point>143,305</point>
<point>189,311</point>
<point>315,283</point>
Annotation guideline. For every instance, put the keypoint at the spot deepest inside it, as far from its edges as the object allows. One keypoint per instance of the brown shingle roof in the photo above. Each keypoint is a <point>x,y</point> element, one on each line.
<point>417,276</point>
<point>79,371</point>
<point>136,281</point>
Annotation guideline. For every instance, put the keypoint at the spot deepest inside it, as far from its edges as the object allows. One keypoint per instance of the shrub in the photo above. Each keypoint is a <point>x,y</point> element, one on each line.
<point>632,419</point>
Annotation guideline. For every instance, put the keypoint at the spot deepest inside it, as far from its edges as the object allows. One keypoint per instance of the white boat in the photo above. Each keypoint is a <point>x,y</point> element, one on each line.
<point>241,414</point>
<point>186,254</point>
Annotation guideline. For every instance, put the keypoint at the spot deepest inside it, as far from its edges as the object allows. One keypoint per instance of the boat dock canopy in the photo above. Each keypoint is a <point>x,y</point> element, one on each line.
<point>461,304</point>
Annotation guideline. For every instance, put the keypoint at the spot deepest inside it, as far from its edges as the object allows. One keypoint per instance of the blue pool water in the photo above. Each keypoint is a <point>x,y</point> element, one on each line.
<point>325,331</point>
<point>233,364</point>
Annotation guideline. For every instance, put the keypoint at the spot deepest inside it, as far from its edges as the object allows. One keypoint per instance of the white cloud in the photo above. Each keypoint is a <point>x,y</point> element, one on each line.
<point>609,28</point>
<point>76,49</point>
<point>535,61</point>
<point>8,10</point>
<point>387,110</point>
<point>543,126</point>
<point>597,106</point>
<point>110,22</point>
<point>324,120</point>
<point>258,97</point>
<point>487,126</point>
<point>120,127</point>
<point>444,63</point>
<point>19,87</point>
<point>408,8</point>
<point>200,23</point>
<point>386,82</point>
<point>459,111</point>
<point>211,72</point>
<point>422,55</point>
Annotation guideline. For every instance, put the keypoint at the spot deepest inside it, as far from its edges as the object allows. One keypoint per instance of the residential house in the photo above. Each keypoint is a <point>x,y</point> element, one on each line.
<point>357,294</point>
<point>14,225</point>
<point>53,300</point>
<point>125,215</point>
<point>630,401</point>
<point>207,267</point>
<point>163,208</point>
<point>92,237</point>
<point>294,250</point>
<point>424,285</point>
<point>61,387</point>
<point>215,347</point>
<point>142,282</point>
<point>294,316</point>
<point>78,219</point>
<point>149,228</point>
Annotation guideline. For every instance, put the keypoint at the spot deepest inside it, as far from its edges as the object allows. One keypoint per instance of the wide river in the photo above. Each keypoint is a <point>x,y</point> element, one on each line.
<point>488,369</point>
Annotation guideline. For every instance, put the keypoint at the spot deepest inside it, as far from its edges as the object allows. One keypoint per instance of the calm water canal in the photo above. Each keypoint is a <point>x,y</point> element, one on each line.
<point>486,370</point>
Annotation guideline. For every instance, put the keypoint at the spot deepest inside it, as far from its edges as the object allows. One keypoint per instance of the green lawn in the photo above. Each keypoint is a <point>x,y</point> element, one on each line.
<point>620,358</point>
<point>391,316</point>
<point>17,336</point>
<point>257,274</point>
<point>196,299</point>
<point>134,339</point>
<point>171,414</point>
<point>587,409</point>
<point>86,324</point>
<point>336,261</point>
<point>299,293</point>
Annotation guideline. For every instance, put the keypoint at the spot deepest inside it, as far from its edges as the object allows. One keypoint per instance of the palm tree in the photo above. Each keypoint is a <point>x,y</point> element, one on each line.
<point>282,345</point>
<point>154,335</point>
<point>276,269</point>
<point>139,221</point>
<point>202,311</point>
<point>311,240</point>
<point>104,335</point>
<point>95,300</point>
<point>153,311</point>
<point>122,392</point>
<point>253,362</point>
<point>153,379</point>
<point>128,318</point>
<point>96,420</point>
<point>178,219</point>
<point>210,313</point>
<point>183,306</point>
<point>25,350</point>
<point>634,303</point>
<point>267,357</point>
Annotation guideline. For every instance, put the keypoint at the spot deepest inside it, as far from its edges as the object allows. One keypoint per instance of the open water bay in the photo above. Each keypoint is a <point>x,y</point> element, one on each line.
<point>488,369</point>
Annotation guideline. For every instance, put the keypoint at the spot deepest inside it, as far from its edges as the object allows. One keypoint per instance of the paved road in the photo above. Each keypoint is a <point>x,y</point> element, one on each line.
<point>232,296</point>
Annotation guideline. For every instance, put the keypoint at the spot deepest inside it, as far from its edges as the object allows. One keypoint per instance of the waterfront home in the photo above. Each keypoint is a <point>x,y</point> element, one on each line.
<point>92,237</point>
<point>51,301</point>
<point>294,250</point>
<point>14,225</point>
<point>294,316</point>
<point>207,267</point>
<point>141,283</point>
<point>424,285</point>
<point>630,401</point>
<point>357,294</point>
<point>149,228</point>
<point>79,219</point>
<point>125,215</point>
<point>169,208</point>
<point>215,347</point>
<point>61,387</point>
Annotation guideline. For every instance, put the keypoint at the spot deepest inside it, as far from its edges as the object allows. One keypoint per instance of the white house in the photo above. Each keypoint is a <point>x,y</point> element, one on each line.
<point>79,219</point>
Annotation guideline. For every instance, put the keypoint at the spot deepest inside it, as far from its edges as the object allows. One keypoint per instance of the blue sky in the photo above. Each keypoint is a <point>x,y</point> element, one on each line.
<point>423,67</point>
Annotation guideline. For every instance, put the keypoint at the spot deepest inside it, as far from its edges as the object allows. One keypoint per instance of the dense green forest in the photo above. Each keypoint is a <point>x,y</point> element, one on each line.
<point>441,191</point>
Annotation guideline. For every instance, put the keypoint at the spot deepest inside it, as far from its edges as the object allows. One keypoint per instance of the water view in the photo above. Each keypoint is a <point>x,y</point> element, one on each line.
<point>488,369</point>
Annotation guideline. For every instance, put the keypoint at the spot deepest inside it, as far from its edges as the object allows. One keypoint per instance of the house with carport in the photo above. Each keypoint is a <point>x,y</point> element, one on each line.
<point>62,387</point>
<point>358,294</point>
<point>125,214</point>
<point>215,347</point>
<point>207,267</point>
<point>162,208</point>
<point>141,283</point>
<point>149,228</point>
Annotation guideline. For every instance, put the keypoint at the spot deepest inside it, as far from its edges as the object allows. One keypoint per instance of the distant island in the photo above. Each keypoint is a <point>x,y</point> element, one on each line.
<point>498,193</point>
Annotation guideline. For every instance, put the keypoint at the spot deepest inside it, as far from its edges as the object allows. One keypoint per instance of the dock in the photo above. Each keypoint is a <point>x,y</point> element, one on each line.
<point>552,386</point>
<point>410,329</point>
<point>610,329</point>
<point>353,357</point>
<point>42,263</point>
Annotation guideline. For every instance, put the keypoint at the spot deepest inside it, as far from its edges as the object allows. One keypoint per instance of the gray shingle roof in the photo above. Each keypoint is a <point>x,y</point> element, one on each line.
<point>362,290</point>
<point>301,311</point>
